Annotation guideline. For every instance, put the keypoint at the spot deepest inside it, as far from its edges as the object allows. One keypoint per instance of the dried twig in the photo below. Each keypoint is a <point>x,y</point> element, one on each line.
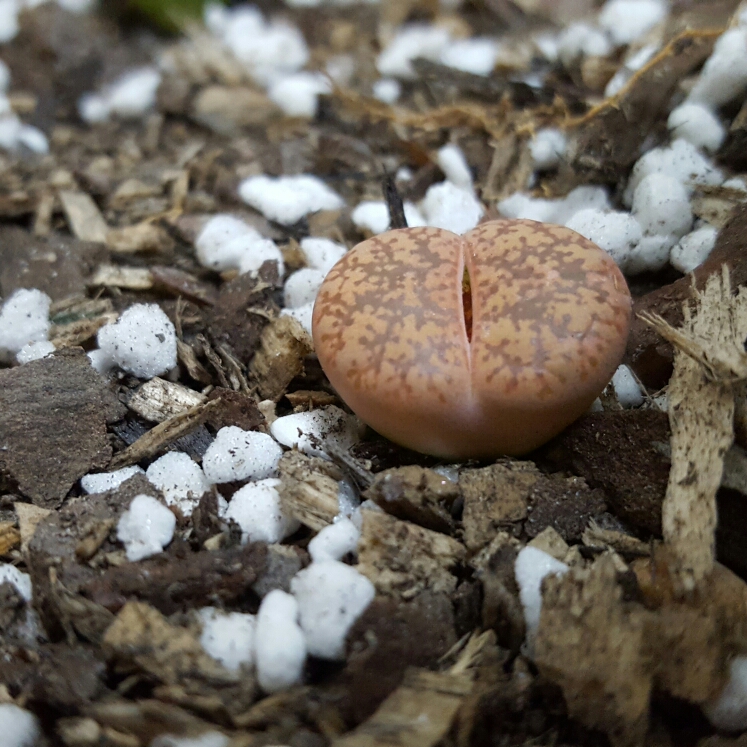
<point>394,202</point>
<point>163,434</point>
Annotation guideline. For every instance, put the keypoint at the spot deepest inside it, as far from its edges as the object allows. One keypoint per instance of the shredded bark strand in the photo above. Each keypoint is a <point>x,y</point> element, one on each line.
<point>709,360</point>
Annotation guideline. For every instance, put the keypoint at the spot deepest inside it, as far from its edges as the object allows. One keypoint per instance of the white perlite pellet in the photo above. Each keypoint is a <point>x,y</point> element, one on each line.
<point>452,162</point>
<point>9,574</point>
<point>287,199</point>
<point>180,479</point>
<point>321,254</point>
<point>531,566</point>
<point>236,454</point>
<point>257,509</point>
<point>728,710</point>
<point>311,432</point>
<point>331,596</point>
<point>693,249</point>
<point>454,208</point>
<point>142,341</point>
<point>228,637</point>
<point>101,482</point>
<point>19,727</point>
<point>698,125</point>
<point>627,389</point>
<point>301,287</point>
<point>145,528</point>
<point>616,232</point>
<point>335,541</point>
<point>661,206</point>
<point>24,319</point>
<point>547,148</point>
<point>281,645</point>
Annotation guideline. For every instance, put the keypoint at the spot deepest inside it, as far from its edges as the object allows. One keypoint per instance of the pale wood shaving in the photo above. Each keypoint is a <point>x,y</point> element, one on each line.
<point>131,190</point>
<point>83,216</point>
<point>158,400</point>
<point>73,308</point>
<point>114,276</point>
<point>309,489</point>
<point>234,369</point>
<point>77,320</point>
<point>142,237</point>
<point>714,204</point>
<point>495,497</point>
<point>78,332</point>
<point>43,214</point>
<point>10,537</point>
<point>214,360</point>
<point>179,189</point>
<point>29,517</point>
<point>550,541</point>
<point>201,57</point>
<point>609,539</point>
<point>94,536</point>
<point>283,346</point>
<point>419,713</point>
<point>402,558</point>
<point>143,636</point>
<point>471,648</point>
<point>188,358</point>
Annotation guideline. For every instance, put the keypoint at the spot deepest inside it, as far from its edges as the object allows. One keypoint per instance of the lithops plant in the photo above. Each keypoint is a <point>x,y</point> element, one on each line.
<point>494,360</point>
